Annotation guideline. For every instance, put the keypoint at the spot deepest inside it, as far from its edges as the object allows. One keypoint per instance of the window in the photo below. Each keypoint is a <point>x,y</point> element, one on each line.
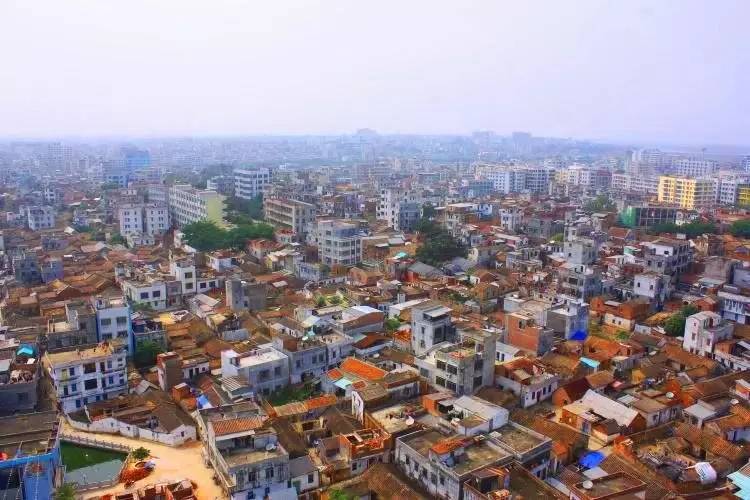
<point>89,368</point>
<point>122,320</point>
<point>156,293</point>
<point>144,295</point>
<point>310,478</point>
<point>90,384</point>
<point>188,276</point>
<point>269,472</point>
<point>106,321</point>
<point>188,286</point>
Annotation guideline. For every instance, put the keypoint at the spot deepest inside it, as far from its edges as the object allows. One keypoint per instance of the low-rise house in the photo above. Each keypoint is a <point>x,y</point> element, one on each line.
<point>442,464</point>
<point>264,368</point>
<point>703,331</point>
<point>152,416</point>
<point>531,381</point>
<point>351,454</point>
<point>307,356</point>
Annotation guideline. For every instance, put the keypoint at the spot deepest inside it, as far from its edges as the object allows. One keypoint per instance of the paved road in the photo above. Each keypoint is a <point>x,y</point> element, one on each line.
<point>184,462</point>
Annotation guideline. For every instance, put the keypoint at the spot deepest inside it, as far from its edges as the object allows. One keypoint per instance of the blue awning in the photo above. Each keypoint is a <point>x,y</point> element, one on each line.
<point>592,459</point>
<point>25,351</point>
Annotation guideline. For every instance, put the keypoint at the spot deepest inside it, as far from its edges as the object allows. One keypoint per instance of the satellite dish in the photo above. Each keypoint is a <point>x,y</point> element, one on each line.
<point>587,485</point>
<point>669,395</point>
<point>734,402</point>
<point>409,421</point>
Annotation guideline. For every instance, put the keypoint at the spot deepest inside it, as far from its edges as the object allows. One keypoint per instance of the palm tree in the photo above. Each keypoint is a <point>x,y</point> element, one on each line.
<point>66,492</point>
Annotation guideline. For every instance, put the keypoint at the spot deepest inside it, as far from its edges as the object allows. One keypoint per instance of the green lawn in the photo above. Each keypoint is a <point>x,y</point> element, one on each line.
<point>290,394</point>
<point>76,456</point>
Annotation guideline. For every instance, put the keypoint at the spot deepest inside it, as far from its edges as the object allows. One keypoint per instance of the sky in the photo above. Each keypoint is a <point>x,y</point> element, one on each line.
<point>676,71</point>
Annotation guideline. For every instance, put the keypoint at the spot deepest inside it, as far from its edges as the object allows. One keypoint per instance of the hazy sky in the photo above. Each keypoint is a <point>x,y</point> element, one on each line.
<point>651,70</point>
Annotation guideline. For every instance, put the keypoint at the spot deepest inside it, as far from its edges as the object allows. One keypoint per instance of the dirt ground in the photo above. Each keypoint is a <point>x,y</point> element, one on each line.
<point>184,462</point>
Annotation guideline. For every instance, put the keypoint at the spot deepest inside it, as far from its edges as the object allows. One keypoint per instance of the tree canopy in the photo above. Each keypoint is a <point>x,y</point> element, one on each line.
<point>250,208</point>
<point>601,203</point>
<point>428,211</point>
<point>439,246</point>
<point>675,325</point>
<point>740,228</point>
<point>691,229</point>
<point>206,235</point>
<point>146,352</point>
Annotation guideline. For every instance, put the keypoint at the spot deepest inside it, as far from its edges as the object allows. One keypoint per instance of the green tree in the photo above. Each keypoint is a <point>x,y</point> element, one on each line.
<point>740,228</point>
<point>334,299</point>
<point>428,211</point>
<point>146,352</point>
<point>141,453</point>
<point>392,324</point>
<point>439,247</point>
<point>205,236</point>
<point>118,239</point>
<point>689,310</point>
<point>601,203</point>
<point>558,237</point>
<point>66,492</point>
<point>675,325</point>
<point>691,229</point>
<point>141,307</point>
<point>320,301</point>
<point>337,494</point>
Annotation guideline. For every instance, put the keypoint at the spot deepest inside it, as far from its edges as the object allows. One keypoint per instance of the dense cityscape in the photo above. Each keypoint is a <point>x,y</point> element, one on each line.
<point>373,316</point>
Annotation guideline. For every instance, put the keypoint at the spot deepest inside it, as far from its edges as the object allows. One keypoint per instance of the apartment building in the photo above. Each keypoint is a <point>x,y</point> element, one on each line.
<point>307,355</point>
<point>264,368</point>
<point>80,376</point>
<point>667,256</point>
<point>339,243</point>
<point>293,215</point>
<point>400,208</point>
<point>113,321</point>
<point>144,218</point>
<point>250,183</point>
<point>246,454</point>
<point>78,328</point>
<point>146,290</point>
<point>728,189</point>
<point>187,205</point>
<point>637,184</point>
<point>39,217</point>
<point>431,324</point>
<point>703,331</point>
<point>684,192</point>
<point>694,167</point>
<point>528,379</point>
<point>463,367</point>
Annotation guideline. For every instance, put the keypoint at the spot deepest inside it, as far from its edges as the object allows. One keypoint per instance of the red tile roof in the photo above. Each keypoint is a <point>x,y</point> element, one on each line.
<point>335,374</point>
<point>362,369</point>
<point>224,427</point>
<point>321,401</point>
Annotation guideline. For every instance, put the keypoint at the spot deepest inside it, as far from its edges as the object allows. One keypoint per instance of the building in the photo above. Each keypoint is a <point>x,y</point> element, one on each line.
<point>80,376</point>
<point>113,321</point>
<point>187,205</point>
<point>684,192</point>
<point>251,183</point>
<point>31,468</point>
<point>246,455</point>
<point>527,379</point>
<point>307,356</point>
<point>463,367</point>
<point>222,184</point>
<point>703,331</point>
<point>144,218</point>
<point>264,368</point>
<point>245,295</point>
<point>399,208</point>
<point>339,243</point>
<point>667,256</point>
<point>442,464</point>
<point>639,216</point>
<point>694,167</point>
<point>39,217</point>
<point>293,215</point>
<point>431,325</point>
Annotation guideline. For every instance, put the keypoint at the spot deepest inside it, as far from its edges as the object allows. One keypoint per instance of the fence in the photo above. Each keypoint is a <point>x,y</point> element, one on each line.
<point>95,443</point>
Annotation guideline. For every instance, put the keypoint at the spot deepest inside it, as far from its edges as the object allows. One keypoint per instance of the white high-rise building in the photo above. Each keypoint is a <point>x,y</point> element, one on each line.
<point>249,183</point>
<point>695,167</point>
<point>187,205</point>
<point>144,218</point>
<point>339,243</point>
<point>400,208</point>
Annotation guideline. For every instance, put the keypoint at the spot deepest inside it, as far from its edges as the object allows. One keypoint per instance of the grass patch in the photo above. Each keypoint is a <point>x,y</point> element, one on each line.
<point>75,456</point>
<point>290,394</point>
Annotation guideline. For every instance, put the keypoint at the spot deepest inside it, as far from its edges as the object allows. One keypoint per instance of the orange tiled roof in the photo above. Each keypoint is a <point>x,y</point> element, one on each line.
<point>335,374</point>
<point>321,401</point>
<point>224,427</point>
<point>362,369</point>
<point>448,445</point>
